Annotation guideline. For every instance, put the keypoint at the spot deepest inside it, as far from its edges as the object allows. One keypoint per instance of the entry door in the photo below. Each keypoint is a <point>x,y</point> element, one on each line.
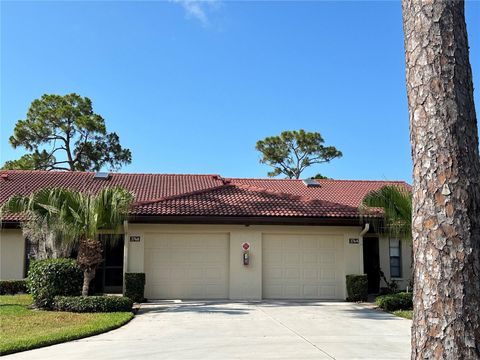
<point>109,275</point>
<point>371,263</point>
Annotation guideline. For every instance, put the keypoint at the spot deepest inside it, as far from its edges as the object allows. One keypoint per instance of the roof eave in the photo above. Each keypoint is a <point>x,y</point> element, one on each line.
<point>246,220</point>
<point>11,224</point>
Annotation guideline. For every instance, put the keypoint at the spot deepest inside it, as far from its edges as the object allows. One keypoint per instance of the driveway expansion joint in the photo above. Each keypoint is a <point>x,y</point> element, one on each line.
<point>295,332</point>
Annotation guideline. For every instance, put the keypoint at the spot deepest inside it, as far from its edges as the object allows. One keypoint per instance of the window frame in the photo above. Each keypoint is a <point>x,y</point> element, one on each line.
<point>399,257</point>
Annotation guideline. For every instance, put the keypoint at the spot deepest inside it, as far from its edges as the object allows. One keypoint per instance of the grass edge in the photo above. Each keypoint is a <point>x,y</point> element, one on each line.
<point>68,338</point>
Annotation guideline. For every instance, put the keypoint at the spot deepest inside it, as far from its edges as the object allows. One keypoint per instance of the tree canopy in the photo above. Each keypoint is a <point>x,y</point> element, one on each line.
<point>319,176</point>
<point>64,133</point>
<point>291,152</point>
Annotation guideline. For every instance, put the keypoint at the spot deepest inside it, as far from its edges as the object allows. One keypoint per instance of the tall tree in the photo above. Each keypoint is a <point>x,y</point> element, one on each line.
<point>446,184</point>
<point>76,219</point>
<point>291,152</point>
<point>63,133</point>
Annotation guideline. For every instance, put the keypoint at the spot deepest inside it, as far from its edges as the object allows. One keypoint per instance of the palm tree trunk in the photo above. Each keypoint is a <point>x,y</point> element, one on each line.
<point>88,276</point>
<point>446,185</point>
<point>89,258</point>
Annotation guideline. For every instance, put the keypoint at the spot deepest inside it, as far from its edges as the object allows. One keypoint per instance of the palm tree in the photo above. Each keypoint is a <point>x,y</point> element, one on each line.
<point>396,204</point>
<point>76,218</point>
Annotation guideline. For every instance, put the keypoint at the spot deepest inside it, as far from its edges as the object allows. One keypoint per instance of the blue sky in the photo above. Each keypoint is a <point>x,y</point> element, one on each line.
<point>190,87</point>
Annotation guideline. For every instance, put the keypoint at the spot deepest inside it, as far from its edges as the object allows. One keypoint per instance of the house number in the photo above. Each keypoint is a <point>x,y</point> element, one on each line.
<point>134,238</point>
<point>353,241</point>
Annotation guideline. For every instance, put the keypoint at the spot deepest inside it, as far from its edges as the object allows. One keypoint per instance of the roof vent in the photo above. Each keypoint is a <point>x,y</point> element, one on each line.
<point>101,176</point>
<point>311,183</point>
<point>4,176</point>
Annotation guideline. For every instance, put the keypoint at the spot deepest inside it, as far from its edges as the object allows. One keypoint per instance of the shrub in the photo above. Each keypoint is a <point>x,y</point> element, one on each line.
<point>51,277</point>
<point>385,291</point>
<point>135,286</point>
<point>393,302</point>
<point>92,303</point>
<point>12,287</point>
<point>357,287</point>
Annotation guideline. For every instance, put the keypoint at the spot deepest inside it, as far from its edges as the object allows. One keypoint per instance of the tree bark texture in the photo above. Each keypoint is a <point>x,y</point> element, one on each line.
<point>446,177</point>
<point>89,258</point>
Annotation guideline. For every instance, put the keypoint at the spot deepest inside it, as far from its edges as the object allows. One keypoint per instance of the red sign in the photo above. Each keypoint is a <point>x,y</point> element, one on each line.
<point>245,246</point>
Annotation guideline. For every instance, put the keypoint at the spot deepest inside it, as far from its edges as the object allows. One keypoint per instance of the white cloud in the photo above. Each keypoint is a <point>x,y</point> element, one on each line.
<point>198,9</point>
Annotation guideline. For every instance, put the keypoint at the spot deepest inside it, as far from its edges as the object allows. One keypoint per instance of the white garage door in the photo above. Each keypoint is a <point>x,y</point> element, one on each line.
<point>186,266</point>
<point>302,267</point>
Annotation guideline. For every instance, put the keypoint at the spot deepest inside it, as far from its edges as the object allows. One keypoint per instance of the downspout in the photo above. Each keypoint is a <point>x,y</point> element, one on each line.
<point>365,229</point>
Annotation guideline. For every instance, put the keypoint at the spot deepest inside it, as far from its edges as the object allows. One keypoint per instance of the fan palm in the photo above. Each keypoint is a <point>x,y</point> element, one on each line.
<point>396,204</point>
<point>76,218</point>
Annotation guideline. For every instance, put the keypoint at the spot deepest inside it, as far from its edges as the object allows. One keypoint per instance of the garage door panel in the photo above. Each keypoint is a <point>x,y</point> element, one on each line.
<point>195,274</point>
<point>310,291</point>
<point>292,274</point>
<point>309,244</point>
<point>328,275</point>
<point>214,274</point>
<point>302,266</point>
<point>292,258</point>
<point>273,273</point>
<point>328,291</point>
<point>272,257</point>
<point>327,244</point>
<point>292,291</point>
<point>310,258</point>
<point>327,257</point>
<point>310,274</point>
<point>186,266</point>
<point>291,243</point>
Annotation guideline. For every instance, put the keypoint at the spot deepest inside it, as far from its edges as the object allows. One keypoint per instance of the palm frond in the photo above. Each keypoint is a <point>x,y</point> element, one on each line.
<point>73,215</point>
<point>396,204</point>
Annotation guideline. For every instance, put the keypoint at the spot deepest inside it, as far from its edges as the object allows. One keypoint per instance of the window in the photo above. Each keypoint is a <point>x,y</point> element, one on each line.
<point>395,258</point>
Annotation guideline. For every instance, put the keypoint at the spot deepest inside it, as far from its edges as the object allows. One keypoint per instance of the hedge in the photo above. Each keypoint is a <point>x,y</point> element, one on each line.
<point>12,287</point>
<point>135,286</point>
<point>393,302</point>
<point>92,303</point>
<point>357,288</point>
<point>51,277</point>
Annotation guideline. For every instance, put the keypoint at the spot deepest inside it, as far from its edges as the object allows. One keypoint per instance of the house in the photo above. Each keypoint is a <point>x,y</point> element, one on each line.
<point>189,234</point>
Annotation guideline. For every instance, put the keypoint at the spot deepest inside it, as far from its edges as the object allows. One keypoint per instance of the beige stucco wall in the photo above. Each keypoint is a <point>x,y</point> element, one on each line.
<point>406,255</point>
<point>245,282</point>
<point>12,254</point>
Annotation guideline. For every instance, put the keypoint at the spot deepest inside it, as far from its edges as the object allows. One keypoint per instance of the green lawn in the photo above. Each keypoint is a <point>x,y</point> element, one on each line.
<point>407,314</point>
<point>22,328</point>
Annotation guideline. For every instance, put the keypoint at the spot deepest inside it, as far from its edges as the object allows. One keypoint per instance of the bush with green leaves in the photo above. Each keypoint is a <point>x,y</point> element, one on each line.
<point>357,287</point>
<point>12,287</point>
<point>135,286</point>
<point>51,277</point>
<point>393,302</point>
<point>92,303</point>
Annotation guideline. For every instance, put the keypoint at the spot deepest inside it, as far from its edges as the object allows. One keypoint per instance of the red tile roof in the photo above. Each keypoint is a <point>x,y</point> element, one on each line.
<point>207,195</point>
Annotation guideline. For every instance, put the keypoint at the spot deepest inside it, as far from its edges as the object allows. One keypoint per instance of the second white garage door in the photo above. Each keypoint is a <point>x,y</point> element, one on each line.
<point>302,266</point>
<point>186,266</point>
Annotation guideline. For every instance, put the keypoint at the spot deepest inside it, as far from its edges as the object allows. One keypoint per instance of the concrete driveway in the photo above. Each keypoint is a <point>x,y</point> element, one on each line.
<point>241,330</point>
